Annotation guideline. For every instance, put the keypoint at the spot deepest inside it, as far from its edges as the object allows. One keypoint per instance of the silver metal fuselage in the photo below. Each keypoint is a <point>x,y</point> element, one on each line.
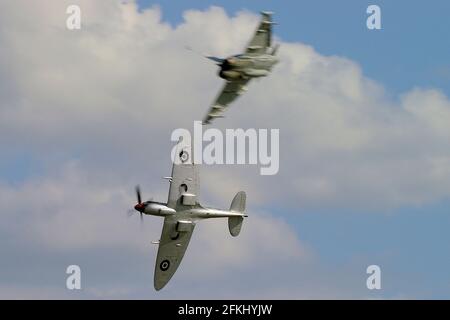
<point>192,212</point>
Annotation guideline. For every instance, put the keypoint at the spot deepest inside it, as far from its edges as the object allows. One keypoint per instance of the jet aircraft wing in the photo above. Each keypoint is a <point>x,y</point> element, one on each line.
<point>263,36</point>
<point>174,241</point>
<point>230,91</point>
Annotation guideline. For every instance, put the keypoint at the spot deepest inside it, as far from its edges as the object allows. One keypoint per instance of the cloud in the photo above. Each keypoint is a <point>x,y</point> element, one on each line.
<point>72,215</point>
<point>344,142</point>
<point>70,210</point>
<point>95,108</point>
<point>124,82</point>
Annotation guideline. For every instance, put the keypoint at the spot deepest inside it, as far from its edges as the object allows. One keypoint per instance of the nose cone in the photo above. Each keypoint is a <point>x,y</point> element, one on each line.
<point>139,207</point>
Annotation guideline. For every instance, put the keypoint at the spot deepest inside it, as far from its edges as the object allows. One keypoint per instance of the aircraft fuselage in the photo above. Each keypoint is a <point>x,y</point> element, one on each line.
<point>245,66</point>
<point>192,212</point>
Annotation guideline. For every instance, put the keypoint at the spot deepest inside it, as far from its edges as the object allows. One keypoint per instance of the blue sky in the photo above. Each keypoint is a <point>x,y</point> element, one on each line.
<point>81,143</point>
<point>409,51</point>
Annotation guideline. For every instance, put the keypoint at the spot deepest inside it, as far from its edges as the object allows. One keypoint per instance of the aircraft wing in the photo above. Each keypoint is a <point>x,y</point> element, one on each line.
<point>263,36</point>
<point>184,182</point>
<point>230,91</point>
<point>174,241</point>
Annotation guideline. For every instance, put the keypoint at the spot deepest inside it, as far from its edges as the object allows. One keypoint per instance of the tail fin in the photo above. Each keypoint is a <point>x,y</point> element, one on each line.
<point>237,205</point>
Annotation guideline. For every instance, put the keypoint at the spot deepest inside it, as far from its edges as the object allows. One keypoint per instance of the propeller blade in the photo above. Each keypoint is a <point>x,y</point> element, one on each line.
<point>130,212</point>
<point>138,194</point>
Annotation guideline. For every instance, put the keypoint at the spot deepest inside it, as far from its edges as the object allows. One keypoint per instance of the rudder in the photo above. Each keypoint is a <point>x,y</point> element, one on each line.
<point>238,203</point>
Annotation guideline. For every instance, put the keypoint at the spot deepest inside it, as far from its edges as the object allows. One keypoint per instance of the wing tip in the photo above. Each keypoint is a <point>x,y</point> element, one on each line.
<point>158,282</point>
<point>158,287</point>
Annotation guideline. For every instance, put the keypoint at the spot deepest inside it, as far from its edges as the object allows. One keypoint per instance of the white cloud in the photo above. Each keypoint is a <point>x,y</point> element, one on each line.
<point>122,83</point>
<point>27,292</point>
<point>69,212</point>
<point>264,240</point>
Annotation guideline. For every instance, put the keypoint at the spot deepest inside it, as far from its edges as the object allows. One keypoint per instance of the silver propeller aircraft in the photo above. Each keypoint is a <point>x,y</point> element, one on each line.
<point>181,212</point>
<point>237,70</point>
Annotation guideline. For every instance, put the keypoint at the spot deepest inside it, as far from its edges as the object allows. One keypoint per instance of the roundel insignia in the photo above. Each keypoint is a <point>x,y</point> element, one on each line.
<point>184,156</point>
<point>164,265</point>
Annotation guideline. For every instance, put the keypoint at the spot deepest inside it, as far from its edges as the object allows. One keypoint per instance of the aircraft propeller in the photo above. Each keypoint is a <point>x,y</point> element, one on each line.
<point>140,206</point>
<point>138,194</point>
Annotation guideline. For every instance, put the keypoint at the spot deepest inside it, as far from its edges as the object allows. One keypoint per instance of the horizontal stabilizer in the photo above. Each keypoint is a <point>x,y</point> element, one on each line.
<point>235,225</point>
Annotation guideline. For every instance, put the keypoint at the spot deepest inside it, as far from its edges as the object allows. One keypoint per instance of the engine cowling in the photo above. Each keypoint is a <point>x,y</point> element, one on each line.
<point>158,209</point>
<point>230,75</point>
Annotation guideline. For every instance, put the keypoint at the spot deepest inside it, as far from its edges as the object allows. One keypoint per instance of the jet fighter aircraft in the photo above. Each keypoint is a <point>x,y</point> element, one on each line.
<point>181,213</point>
<point>257,61</point>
